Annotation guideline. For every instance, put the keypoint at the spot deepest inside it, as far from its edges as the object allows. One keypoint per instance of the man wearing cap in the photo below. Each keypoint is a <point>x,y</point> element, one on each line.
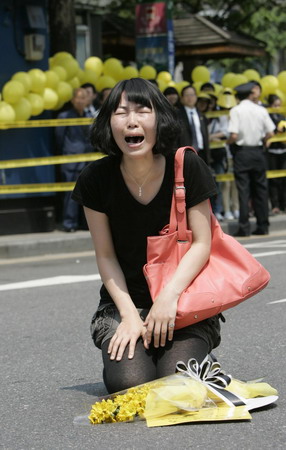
<point>194,125</point>
<point>249,126</point>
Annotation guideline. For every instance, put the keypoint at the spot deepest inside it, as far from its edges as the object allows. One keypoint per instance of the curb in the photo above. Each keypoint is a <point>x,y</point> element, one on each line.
<point>60,242</point>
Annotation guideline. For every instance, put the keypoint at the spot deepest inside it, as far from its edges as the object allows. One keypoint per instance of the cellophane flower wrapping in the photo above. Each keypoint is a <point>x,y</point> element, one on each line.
<point>197,393</point>
<point>168,395</point>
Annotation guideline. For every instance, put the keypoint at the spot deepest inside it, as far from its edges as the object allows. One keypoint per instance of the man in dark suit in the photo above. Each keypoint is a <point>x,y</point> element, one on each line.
<point>194,125</point>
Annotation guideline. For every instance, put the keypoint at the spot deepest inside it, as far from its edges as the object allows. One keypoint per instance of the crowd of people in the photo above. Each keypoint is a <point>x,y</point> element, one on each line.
<point>233,137</point>
<point>243,133</point>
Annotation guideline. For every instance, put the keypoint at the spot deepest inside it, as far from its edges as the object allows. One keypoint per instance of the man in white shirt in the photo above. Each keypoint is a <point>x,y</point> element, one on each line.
<point>249,126</point>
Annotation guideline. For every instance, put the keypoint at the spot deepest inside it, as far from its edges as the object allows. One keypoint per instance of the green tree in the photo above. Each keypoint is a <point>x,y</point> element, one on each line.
<point>262,19</point>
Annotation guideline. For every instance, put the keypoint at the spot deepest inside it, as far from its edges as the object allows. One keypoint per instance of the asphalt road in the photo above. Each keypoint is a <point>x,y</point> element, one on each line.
<point>51,372</point>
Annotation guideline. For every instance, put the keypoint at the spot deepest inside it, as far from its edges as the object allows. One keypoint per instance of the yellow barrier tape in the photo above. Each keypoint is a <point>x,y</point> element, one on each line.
<point>49,160</point>
<point>221,177</point>
<point>81,157</point>
<point>215,144</point>
<point>68,186</point>
<point>281,137</point>
<point>46,123</point>
<point>225,112</point>
<point>276,173</point>
<point>37,187</point>
<point>89,120</point>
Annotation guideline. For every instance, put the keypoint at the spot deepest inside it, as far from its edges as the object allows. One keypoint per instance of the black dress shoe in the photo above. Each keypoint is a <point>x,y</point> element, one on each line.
<point>259,232</point>
<point>241,233</point>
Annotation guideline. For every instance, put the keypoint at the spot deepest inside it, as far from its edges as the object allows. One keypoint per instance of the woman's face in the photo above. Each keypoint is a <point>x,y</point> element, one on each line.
<point>133,127</point>
<point>276,103</point>
<point>173,98</point>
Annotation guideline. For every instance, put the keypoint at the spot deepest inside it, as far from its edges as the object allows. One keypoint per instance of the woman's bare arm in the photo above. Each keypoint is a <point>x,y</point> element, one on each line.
<point>164,308</point>
<point>131,326</point>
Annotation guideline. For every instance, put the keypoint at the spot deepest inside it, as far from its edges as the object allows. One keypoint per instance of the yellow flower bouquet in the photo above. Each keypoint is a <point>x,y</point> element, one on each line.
<point>196,393</point>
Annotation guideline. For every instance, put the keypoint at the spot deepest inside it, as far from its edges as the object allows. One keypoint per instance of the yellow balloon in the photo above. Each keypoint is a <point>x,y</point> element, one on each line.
<point>51,61</point>
<point>64,91</point>
<point>201,73</point>
<point>13,91</point>
<point>113,68</point>
<point>238,79</point>
<point>282,80</point>
<point>104,82</point>
<point>52,79</point>
<point>61,55</point>
<point>23,109</point>
<point>181,84</point>
<point>148,72</point>
<point>129,72</point>
<point>218,88</point>
<point>197,85</point>
<point>162,85</point>
<point>269,84</point>
<point>38,79</point>
<point>24,78</point>
<point>89,76</point>
<point>164,76</point>
<point>80,75</point>
<point>171,83</point>
<point>37,103</point>
<point>74,82</point>
<point>95,64</point>
<point>71,67</point>
<point>50,98</point>
<point>226,79</point>
<point>7,113</point>
<point>61,72</point>
<point>59,105</point>
<point>251,75</point>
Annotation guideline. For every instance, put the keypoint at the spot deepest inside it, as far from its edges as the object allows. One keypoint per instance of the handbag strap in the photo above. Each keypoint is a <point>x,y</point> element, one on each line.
<point>178,215</point>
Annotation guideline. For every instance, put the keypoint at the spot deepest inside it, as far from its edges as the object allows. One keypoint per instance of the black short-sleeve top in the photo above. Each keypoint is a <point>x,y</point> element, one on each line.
<point>101,187</point>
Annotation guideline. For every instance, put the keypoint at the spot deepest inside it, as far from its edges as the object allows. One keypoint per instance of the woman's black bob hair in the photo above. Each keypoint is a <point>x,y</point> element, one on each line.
<point>140,91</point>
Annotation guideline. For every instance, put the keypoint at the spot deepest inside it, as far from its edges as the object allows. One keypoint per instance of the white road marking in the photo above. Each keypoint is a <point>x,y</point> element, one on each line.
<point>53,281</point>
<point>277,301</point>
<point>257,255</point>
<point>277,243</point>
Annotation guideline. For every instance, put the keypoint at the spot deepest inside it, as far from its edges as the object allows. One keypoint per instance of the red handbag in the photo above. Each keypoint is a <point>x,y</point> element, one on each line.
<point>230,276</point>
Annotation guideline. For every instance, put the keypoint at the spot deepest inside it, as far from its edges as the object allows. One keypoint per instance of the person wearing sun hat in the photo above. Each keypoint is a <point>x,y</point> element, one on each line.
<point>250,126</point>
<point>203,101</point>
<point>225,101</point>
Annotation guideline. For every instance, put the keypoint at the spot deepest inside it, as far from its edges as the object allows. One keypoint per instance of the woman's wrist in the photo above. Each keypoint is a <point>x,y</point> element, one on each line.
<point>127,311</point>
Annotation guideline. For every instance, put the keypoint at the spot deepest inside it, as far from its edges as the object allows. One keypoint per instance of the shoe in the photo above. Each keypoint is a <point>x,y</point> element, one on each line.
<point>241,233</point>
<point>70,230</point>
<point>276,211</point>
<point>259,232</point>
<point>219,216</point>
<point>228,215</point>
<point>236,214</point>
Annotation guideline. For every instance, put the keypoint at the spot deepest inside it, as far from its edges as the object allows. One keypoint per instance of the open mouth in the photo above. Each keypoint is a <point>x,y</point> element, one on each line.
<point>134,139</point>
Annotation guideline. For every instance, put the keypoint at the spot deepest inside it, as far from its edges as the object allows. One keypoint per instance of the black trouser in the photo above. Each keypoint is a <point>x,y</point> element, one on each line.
<point>250,177</point>
<point>277,186</point>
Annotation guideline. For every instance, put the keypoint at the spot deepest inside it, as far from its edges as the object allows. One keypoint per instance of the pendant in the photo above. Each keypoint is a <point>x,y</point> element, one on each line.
<point>140,191</point>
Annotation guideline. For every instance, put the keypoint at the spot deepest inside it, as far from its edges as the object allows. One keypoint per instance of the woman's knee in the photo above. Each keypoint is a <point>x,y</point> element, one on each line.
<point>121,375</point>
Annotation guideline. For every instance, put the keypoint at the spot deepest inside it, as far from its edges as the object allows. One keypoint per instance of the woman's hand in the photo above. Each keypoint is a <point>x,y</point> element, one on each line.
<point>160,321</point>
<point>127,333</point>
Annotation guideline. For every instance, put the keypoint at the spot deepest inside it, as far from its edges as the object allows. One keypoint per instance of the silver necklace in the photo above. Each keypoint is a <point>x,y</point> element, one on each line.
<point>140,192</point>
